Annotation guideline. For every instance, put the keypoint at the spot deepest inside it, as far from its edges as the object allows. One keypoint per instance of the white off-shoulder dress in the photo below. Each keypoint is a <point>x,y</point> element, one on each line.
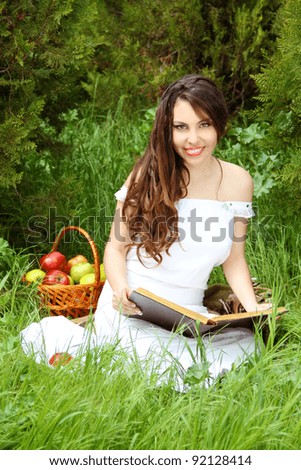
<point>205,240</point>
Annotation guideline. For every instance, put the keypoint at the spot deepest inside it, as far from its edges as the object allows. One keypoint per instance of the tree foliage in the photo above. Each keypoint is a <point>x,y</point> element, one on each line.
<point>149,43</point>
<point>43,50</point>
<point>239,35</point>
<point>58,57</point>
<point>56,54</point>
<point>279,85</point>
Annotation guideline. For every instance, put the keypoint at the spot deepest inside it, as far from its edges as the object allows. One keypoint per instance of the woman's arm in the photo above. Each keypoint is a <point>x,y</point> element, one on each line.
<point>115,264</point>
<point>236,269</point>
<point>237,272</point>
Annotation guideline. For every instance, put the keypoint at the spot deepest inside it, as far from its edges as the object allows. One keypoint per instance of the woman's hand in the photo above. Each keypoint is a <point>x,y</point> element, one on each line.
<point>122,304</point>
<point>264,306</point>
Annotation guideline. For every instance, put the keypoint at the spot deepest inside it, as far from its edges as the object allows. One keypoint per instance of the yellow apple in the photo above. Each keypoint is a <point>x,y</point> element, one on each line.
<point>35,275</point>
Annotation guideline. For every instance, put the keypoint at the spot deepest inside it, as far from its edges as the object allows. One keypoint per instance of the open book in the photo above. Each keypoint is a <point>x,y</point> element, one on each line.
<point>172,316</point>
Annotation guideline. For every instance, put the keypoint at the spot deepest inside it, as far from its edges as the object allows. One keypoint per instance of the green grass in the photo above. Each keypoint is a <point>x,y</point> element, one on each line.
<point>93,407</point>
<point>109,402</point>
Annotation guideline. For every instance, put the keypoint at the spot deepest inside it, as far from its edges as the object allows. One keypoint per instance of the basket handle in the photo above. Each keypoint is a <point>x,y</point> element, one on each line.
<point>91,243</point>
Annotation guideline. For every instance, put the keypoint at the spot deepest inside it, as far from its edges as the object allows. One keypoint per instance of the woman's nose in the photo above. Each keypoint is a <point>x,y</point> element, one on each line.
<point>193,137</point>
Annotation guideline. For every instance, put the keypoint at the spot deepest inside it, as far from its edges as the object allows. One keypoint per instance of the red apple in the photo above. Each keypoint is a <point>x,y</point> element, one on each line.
<point>73,261</point>
<point>53,260</point>
<point>60,359</point>
<point>55,276</point>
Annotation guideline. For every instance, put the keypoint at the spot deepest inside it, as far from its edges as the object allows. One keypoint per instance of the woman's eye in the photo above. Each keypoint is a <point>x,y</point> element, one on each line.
<point>181,127</point>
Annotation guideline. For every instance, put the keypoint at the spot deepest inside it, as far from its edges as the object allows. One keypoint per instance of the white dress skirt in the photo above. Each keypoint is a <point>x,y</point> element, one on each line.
<point>206,234</point>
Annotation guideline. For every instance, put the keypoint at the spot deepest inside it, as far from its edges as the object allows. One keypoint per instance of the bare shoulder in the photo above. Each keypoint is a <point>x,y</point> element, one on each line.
<point>237,182</point>
<point>129,180</point>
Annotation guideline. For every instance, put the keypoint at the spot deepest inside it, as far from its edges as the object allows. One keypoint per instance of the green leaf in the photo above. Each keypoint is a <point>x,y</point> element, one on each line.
<point>3,280</point>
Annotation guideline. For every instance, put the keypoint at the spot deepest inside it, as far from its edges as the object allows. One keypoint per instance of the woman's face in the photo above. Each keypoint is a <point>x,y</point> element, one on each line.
<point>194,136</point>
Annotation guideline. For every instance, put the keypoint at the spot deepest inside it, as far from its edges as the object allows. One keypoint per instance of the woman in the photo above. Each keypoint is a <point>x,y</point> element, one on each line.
<point>181,213</point>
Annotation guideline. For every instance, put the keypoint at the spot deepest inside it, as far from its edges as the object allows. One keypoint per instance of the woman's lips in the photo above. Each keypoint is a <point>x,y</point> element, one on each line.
<point>194,152</point>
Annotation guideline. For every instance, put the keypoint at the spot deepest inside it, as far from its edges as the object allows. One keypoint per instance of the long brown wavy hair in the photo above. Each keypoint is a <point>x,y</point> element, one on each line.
<point>160,177</point>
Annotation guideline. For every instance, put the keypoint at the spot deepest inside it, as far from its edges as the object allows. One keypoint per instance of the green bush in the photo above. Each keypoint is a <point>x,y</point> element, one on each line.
<point>96,154</point>
<point>239,36</point>
<point>279,85</point>
<point>131,50</point>
<point>44,51</point>
<point>149,43</point>
<point>242,146</point>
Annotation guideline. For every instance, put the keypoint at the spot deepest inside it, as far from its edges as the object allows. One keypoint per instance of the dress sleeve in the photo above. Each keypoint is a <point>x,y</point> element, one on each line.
<point>120,195</point>
<point>240,209</point>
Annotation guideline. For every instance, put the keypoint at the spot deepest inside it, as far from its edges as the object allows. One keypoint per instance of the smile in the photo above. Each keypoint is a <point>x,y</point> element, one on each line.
<point>194,152</point>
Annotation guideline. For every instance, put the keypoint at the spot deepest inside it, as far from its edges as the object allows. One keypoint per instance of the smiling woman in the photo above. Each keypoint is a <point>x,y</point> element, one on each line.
<point>194,135</point>
<point>177,187</point>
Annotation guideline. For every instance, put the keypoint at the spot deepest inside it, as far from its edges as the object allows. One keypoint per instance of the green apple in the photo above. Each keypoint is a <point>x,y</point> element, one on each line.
<point>35,275</point>
<point>87,279</point>
<point>71,282</point>
<point>102,273</point>
<point>79,270</point>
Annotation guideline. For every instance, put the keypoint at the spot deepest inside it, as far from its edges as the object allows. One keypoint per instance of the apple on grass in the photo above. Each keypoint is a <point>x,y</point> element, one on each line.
<point>55,276</point>
<point>35,275</point>
<point>73,261</point>
<point>53,260</point>
<point>60,359</point>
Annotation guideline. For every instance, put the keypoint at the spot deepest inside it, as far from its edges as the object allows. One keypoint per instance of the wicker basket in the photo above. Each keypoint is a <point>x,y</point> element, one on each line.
<point>75,300</point>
